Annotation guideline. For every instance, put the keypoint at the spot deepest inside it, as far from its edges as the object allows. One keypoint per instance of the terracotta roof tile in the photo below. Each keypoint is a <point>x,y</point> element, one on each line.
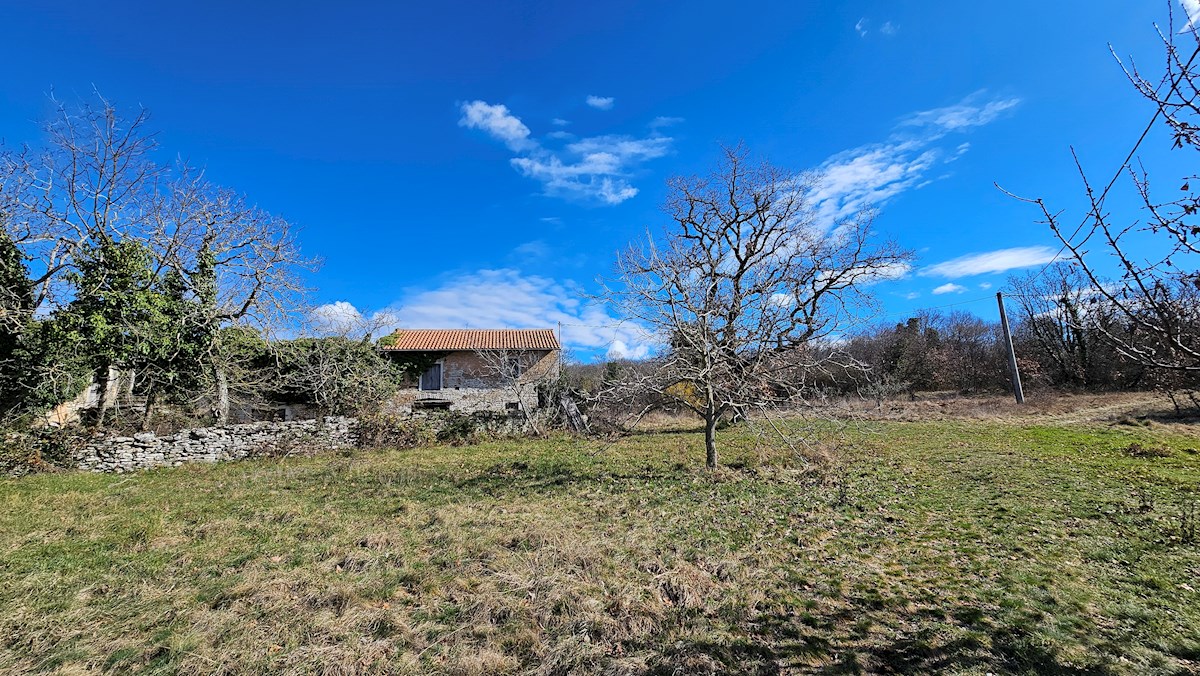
<point>423,340</point>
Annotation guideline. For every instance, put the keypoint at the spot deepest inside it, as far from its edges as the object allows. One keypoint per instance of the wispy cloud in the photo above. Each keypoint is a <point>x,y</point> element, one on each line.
<point>498,122</point>
<point>862,27</point>
<point>974,111</point>
<point>949,287</point>
<point>507,298</point>
<point>991,262</point>
<point>533,249</point>
<point>1192,9</point>
<point>665,121</point>
<point>886,273</point>
<point>601,102</point>
<point>869,175</point>
<point>597,168</point>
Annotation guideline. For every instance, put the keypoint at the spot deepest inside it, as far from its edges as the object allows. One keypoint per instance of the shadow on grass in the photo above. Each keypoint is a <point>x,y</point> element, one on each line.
<point>680,428</point>
<point>789,643</point>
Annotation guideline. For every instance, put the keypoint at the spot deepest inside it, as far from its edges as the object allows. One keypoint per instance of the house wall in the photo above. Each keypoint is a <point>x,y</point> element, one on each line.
<point>468,385</point>
<point>69,412</point>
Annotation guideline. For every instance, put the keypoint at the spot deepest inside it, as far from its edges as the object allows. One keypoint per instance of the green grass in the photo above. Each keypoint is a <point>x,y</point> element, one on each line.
<point>967,547</point>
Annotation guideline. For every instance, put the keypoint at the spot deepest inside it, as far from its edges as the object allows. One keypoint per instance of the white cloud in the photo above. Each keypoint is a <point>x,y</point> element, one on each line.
<point>985,285</point>
<point>783,299</point>
<point>986,262</point>
<point>534,249</point>
<point>892,271</point>
<point>593,168</point>
<point>869,175</point>
<point>497,121</point>
<point>341,318</point>
<point>888,28</point>
<point>559,122</point>
<point>601,102</point>
<point>597,168</point>
<point>972,111</point>
<point>664,121</point>
<point>506,298</point>
<point>912,295</point>
<point>337,314</point>
<point>1192,9</point>
<point>619,350</point>
<point>949,287</point>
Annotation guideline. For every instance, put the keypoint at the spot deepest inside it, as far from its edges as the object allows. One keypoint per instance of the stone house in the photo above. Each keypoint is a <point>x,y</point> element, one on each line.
<point>474,369</point>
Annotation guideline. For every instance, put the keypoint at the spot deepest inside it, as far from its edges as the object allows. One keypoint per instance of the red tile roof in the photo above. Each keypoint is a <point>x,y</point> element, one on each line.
<point>426,340</point>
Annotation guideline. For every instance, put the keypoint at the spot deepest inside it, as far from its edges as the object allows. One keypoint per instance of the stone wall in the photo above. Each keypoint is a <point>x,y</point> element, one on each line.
<point>215,444</point>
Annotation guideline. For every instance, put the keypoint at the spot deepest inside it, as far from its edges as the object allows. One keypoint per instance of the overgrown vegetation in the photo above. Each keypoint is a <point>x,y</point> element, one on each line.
<point>976,546</point>
<point>136,270</point>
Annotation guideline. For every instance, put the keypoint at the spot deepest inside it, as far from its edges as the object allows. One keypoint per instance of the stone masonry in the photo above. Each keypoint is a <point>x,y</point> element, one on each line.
<point>215,444</point>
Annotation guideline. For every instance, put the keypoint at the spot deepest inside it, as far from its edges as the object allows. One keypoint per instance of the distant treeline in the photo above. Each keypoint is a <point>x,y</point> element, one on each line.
<point>1062,335</point>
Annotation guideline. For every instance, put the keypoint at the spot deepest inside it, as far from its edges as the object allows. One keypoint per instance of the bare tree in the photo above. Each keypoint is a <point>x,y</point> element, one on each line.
<point>510,369</point>
<point>242,264</point>
<point>95,184</point>
<point>85,187</point>
<point>1058,320</point>
<point>1155,292</point>
<point>746,277</point>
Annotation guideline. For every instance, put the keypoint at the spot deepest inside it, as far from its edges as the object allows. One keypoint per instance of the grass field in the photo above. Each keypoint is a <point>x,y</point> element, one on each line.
<point>969,546</point>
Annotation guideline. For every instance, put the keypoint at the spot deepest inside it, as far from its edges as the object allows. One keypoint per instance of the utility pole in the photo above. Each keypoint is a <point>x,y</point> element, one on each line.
<point>1012,354</point>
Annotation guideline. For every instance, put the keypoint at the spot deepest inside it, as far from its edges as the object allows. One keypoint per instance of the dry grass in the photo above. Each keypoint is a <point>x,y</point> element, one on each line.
<point>938,546</point>
<point>1046,406</point>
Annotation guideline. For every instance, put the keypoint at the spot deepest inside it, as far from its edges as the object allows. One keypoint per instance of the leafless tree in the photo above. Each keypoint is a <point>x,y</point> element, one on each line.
<point>242,264</point>
<point>82,187</point>
<point>511,369</point>
<point>745,279</point>
<point>1155,292</point>
<point>1057,316</point>
<point>95,181</point>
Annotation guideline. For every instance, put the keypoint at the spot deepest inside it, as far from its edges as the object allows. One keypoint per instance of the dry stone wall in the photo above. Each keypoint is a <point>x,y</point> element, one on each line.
<point>216,444</point>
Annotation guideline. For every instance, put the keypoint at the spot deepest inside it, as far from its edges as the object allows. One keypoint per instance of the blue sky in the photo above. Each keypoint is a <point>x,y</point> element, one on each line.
<point>478,164</point>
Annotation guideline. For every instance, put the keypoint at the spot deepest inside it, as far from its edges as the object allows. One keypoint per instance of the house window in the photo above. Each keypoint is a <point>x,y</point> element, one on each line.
<point>512,367</point>
<point>431,379</point>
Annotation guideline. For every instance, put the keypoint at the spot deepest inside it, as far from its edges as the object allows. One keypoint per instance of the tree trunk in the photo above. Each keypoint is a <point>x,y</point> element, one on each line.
<point>220,407</point>
<point>710,441</point>
<point>149,410</point>
<point>525,411</point>
<point>102,375</point>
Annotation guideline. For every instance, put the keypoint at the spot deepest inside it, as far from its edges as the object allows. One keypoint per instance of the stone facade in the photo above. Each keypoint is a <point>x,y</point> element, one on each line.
<point>215,444</point>
<point>469,384</point>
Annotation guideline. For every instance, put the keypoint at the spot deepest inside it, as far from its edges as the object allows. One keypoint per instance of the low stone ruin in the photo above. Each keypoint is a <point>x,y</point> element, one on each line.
<point>216,444</point>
